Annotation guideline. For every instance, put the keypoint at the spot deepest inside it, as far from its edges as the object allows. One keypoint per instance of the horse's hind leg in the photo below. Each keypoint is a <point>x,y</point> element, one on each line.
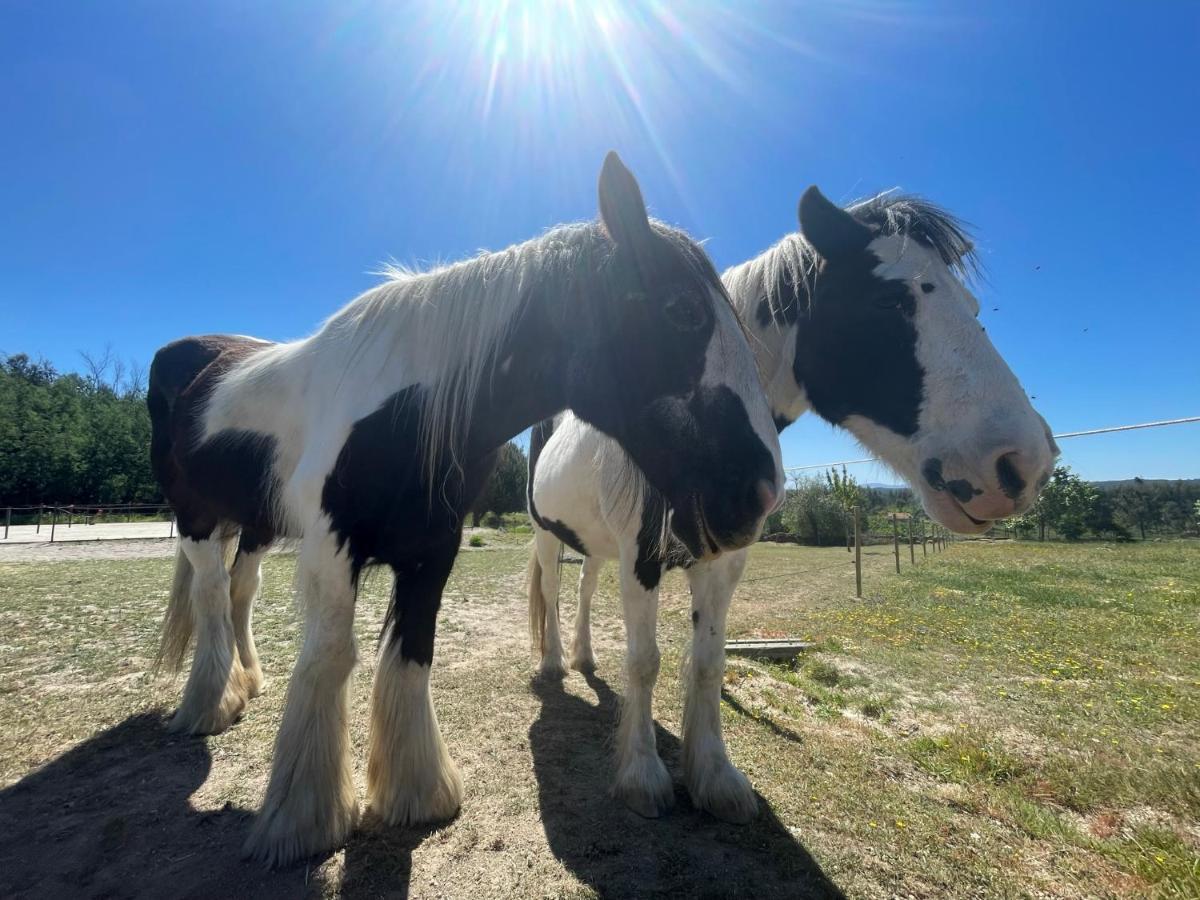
<point>713,781</point>
<point>582,657</point>
<point>410,776</point>
<point>643,783</point>
<point>310,805</point>
<point>245,578</point>
<point>214,695</point>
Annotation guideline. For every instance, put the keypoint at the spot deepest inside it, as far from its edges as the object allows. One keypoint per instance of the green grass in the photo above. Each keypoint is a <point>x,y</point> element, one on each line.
<point>1044,687</point>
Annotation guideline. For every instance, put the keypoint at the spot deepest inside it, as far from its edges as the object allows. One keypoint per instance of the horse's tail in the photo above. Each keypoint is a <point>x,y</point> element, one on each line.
<point>177,623</point>
<point>537,602</point>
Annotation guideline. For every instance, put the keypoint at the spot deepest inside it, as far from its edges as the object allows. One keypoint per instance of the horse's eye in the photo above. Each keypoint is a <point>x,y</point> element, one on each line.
<point>927,287</point>
<point>685,312</point>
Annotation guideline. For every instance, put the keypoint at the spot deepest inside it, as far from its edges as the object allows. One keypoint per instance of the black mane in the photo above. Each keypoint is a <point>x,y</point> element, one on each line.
<point>924,222</point>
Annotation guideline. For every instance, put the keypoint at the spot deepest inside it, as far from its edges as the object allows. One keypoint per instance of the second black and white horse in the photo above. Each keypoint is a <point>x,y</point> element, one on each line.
<point>864,316</point>
<point>368,441</point>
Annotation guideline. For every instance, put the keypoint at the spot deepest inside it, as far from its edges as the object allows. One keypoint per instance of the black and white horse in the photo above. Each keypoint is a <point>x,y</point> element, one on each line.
<point>863,317</point>
<point>369,440</point>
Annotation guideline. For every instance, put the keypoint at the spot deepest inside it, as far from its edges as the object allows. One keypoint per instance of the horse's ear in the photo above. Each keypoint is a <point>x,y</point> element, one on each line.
<point>830,229</point>
<point>622,209</point>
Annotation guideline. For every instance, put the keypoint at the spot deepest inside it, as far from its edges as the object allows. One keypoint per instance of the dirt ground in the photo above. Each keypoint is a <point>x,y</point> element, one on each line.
<point>133,548</point>
<point>100,801</point>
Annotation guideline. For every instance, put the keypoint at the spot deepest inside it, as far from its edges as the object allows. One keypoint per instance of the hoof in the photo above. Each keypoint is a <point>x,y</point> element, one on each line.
<point>407,802</point>
<point>252,682</point>
<point>724,792</point>
<point>645,787</point>
<point>583,661</point>
<point>551,669</point>
<point>189,720</point>
<point>287,832</point>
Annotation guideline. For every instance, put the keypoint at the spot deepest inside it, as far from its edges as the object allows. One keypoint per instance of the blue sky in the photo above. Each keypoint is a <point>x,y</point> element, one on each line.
<point>190,167</point>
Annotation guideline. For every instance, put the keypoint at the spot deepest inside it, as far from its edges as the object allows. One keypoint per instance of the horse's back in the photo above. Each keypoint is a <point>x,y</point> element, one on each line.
<point>177,366</point>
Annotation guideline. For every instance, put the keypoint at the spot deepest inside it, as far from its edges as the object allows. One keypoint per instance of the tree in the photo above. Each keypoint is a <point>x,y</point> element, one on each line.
<point>66,438</point>
<point>1065,504</point>
<point>505,489</point>
<point>1135,507</point>
<point>846,493</point>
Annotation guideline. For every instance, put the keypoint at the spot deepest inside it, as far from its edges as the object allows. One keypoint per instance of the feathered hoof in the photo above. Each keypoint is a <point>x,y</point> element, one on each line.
<point>296,828</point>
<point>412,802</point>
<point>195,718</point>
<point>252,682</point>
<point>583,661</point>
<point>551,669</point>
<point>645,786</point>
<point>724,792</point>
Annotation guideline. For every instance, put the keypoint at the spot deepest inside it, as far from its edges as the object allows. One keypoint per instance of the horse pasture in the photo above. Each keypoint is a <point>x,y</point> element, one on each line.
<point>1002,720</point>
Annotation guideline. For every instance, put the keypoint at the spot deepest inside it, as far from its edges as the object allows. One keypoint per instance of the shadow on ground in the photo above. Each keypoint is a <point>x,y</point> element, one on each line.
<point>111,818</point>
<point>686,853</point>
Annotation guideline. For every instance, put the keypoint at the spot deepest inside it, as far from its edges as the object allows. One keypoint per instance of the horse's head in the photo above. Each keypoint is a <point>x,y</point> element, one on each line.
<point>893,351</point>
<point>663,366</point>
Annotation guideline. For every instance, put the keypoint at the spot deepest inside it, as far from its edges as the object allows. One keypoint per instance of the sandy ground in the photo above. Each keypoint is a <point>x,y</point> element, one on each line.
<point>105,548</point>
<point>108,531</point>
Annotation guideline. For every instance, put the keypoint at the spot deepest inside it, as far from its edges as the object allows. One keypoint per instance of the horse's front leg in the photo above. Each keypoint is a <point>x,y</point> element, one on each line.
<point>643,783</point>
<point>310,805</point>
<point>410,776</point>
<point>712,780</point>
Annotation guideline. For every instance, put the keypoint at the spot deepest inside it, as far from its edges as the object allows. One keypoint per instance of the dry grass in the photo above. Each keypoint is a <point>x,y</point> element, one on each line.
<point>999,721</point>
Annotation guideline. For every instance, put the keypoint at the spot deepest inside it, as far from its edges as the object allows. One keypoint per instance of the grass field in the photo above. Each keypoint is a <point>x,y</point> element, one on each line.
<point>1000,720</point>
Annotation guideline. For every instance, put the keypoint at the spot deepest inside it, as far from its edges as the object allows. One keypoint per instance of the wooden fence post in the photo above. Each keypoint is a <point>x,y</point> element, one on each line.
<point>857,556</point>
<point>912,551</point>
<point>41,509</point>
<point>924,546</point>
<point>70,514</point>
<point>53,522</point>
<point>896,541</point>
<point>7,522</point>
<point>171,533</point>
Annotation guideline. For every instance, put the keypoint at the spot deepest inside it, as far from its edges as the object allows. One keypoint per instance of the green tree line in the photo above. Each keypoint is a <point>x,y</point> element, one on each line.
<point>84,439</point>
<point>72,437</point>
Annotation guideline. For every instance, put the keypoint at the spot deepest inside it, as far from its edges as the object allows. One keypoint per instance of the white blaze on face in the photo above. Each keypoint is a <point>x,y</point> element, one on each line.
<point>729,362</point>
<point>973,410</point>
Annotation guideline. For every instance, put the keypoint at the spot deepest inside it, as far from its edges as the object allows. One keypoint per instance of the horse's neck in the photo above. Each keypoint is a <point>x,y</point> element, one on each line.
<point>774,348</point>
<point>526,382</point>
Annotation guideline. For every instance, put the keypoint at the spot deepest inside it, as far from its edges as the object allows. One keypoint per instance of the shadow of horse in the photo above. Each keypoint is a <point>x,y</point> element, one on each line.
<point>111,818</point>
<point>686,853</point>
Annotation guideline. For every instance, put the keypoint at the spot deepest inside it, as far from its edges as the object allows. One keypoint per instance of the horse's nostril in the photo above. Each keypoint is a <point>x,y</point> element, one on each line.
<point>1009,476</point>
<point>766,496</point>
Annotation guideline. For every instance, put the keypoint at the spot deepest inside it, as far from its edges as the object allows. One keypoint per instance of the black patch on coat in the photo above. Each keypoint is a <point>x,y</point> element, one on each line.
<point>695,617</point>
<point>538,436</point>
<point>228,478</point>
<point>781,422</point>
<point>380,510</point>
<point>962,490</point>
<point>565,534</point>
<point>648,566</point>
<point>658,550</point>
<point>857,325</point>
